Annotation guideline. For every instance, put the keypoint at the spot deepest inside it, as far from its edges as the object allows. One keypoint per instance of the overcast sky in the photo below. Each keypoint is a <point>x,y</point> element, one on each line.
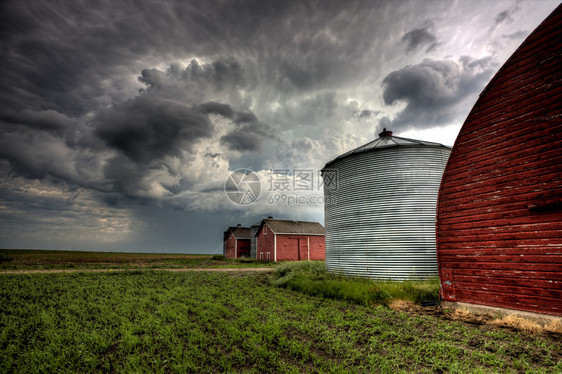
<point>120,122</point>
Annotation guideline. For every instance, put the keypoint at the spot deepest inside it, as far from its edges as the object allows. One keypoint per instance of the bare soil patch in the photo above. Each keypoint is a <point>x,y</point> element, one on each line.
<point>553,329</point>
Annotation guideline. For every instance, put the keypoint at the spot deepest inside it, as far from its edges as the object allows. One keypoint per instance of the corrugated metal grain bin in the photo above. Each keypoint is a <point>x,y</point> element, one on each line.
<point>380,202</point>
<point>253,244</point>
<point>499,217</point>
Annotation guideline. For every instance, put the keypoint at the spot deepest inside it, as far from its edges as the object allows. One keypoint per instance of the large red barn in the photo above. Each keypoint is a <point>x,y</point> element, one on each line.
<point>499,213</point>
<point>281,240</point>
<point>237,242</point>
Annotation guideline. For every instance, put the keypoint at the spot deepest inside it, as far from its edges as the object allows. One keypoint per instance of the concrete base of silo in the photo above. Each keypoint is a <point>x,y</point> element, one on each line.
<point>541,319</point>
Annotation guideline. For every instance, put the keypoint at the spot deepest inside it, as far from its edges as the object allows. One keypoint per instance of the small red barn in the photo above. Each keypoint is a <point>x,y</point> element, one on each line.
<point>281,240</point>
<point>237,242</point>
<point>499,213</point>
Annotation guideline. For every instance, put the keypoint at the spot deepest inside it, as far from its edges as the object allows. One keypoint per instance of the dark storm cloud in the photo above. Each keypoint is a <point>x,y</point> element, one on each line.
<point>77,59</point>
<point>421,36</point>
<point>49,62</point>
<point>433,90</point>
<point>245,117</point>
<point>142,102</point>
<point>224,110</point>
<point>248,137</point>
<point>158,123</point>
<point>147,128</point>
<point>218,75</point>
<point>168,118</point>
<point>46,120</point>
<point>60,56</point>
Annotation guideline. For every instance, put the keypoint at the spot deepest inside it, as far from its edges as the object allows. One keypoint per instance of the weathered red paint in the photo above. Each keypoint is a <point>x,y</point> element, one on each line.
<point>300,247</point>
<point>499,213</point>
<point>265,244</point>
<point>235,247</point>
<point>283,247</point>
<point>229,246</point>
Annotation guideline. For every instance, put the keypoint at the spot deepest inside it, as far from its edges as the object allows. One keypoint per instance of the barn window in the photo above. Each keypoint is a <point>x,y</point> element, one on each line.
<point>268,256</point>
<point>264,229</point>
<point>261,256</point>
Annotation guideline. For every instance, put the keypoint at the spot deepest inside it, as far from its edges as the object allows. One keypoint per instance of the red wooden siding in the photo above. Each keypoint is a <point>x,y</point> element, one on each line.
<point>265,244</point>
<point>300,247</point>
<point>499,213</point>
<point>289,247</point>
<point>243,249</point>
<point>229,246</point>
<point>317,248</point>
<point>236,250</point>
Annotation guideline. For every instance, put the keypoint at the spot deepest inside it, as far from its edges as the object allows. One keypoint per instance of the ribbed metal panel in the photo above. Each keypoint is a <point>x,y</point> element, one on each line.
<point>380,220</point>
<point>253,242</point>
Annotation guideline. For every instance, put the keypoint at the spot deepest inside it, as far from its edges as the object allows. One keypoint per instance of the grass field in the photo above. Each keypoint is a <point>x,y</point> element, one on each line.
<point>311,277</point>
<point>160,321</point>
<point>17,259</point>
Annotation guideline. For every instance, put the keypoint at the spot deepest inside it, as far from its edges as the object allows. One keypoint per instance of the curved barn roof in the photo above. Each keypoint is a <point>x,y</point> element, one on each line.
<point>499,216</point>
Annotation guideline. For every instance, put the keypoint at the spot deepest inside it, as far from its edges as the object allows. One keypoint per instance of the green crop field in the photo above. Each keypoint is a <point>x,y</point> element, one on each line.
<point>161,321</point>
<point>18,259</point>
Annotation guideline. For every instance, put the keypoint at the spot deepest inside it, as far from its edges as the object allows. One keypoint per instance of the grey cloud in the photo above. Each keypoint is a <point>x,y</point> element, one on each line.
<point>505,16</point>
<point>146,128</point>
<point>60,56</point>
<point>215,157</point>
<point>47,120</point>
<point>71,130</point>
<point>288,152</point>
<point>470,64</point>
<point>222,74</point>
<point>518,35</point>
<point>367,113</point>
<point>135,138</point>
<point>168,118</point>
<point>248,137</point>
<point>245,117</point>
<point>55,64</point>
<point>44,156</point>
<point>322,108</point>
<point>255,77</point>
<point>433,90</point>
<point>421,36</point>
<point>126,178</point>
<point>212,107</point>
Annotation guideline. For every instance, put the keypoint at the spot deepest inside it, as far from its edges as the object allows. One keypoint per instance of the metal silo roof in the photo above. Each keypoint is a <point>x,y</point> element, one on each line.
<point>387,140</point>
